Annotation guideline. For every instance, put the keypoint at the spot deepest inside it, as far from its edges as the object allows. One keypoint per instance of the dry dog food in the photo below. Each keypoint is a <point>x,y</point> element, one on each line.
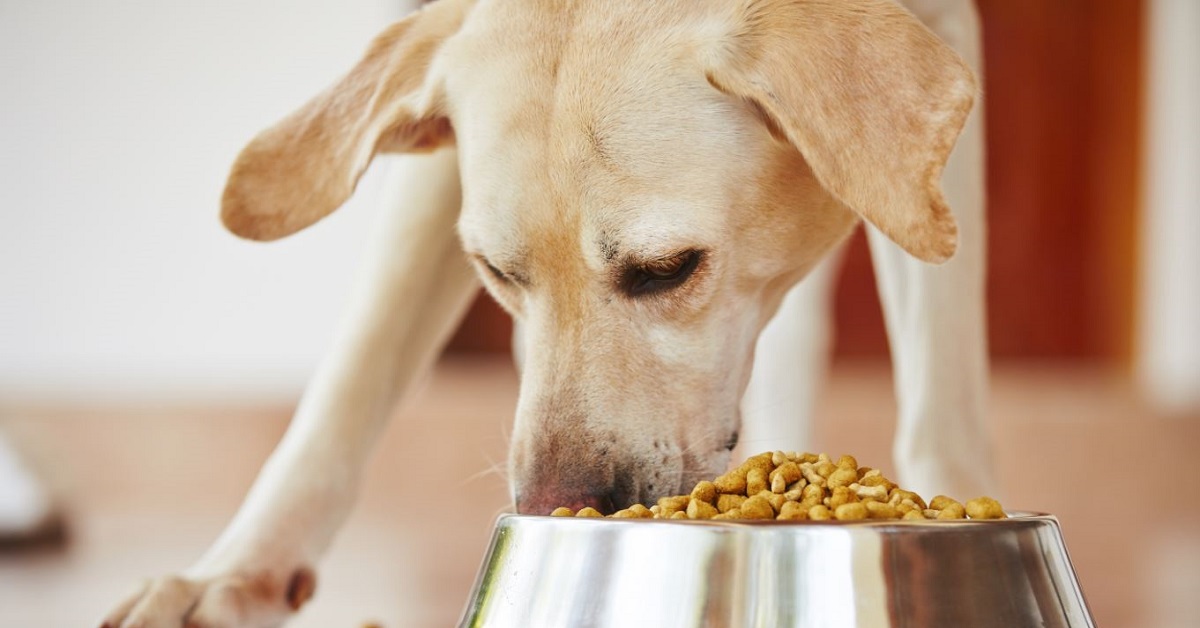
<point>796,487</point>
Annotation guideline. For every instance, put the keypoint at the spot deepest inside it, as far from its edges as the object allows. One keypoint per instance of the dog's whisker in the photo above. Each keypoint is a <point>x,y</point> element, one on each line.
<point>478,475</point>
<point>493,467</point>
<point>501,466</point>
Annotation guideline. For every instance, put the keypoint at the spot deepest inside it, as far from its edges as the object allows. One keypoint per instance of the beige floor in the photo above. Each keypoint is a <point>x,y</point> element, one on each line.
<point>149,487</point>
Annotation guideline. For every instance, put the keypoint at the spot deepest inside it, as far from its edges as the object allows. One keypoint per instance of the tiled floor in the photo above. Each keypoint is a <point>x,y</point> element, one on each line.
<point>149,487</point>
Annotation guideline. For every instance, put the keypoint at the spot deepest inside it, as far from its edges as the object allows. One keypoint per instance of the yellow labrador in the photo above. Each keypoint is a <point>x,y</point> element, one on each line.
<point>640,183</point>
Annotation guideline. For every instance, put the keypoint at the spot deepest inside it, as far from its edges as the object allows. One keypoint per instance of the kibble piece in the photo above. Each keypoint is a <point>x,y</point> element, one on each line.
<point>756,481</point>
<point>761,461</point>
<point>778,458</point>
<point>826,469</point>
<point>735,513</point>
<point>813,492</point>
<point>809,471</point>
<point>843,476</point>
<point>913,515</point>
<point>624,513</point>
<point>778,485</point>
<point>877,480</point>
<point>676,502</point>
<point>640,511</point>
<point>562,511</point>
<point>953,511</point>
<point>701,510</point>
<point>757,507</point>
<point>880,510</point>
<point>775,499</point>
<point>842,495</point>
<point>679,514</point>
<point>899,496</point>
<point>850,512</point>
<point>705,491</point>
<point>725,503</point>
<point>985,508</point>
<point>588,511</point>
<point>789,471</point>
<point>731,483</point>
<point>940,502</point>
<point>877,493</point>
<point>820,513</point>
<point>792,511</point>
<point>848,462</point>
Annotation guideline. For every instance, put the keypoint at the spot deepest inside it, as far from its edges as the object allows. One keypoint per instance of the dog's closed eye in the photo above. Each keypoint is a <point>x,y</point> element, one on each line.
<point>496,272</point>
<point>513,275</point>
<point>661,274</point>
<point>501,276</point>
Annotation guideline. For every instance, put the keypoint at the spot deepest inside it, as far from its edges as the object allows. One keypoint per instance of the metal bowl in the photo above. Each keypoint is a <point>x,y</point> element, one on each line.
<point>570,572</point>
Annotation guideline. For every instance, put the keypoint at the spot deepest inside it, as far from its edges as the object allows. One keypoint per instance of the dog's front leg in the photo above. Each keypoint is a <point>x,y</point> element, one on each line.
<point>791,358</point>
<point>417,284</point>
<point>935,314</point>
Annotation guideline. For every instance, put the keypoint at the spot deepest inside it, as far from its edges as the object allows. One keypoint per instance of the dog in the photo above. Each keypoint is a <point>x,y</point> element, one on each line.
<point>642,185</point>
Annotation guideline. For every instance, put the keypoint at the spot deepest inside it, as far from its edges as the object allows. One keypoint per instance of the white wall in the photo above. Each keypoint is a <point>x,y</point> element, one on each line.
<point>118,122</point>
<point>1168,357</point>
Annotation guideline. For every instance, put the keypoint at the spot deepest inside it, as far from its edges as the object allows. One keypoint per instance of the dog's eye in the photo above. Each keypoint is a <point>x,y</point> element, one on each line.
<point>661,274</point>
<point>496,272</point>
<point>499,274</point>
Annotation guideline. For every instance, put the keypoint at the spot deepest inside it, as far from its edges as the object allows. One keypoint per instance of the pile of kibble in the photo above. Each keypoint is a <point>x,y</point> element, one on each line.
<point>796,487</point>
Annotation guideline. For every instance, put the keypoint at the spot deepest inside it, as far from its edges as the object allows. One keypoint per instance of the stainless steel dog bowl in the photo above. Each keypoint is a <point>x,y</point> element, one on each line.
<point>566,572</point>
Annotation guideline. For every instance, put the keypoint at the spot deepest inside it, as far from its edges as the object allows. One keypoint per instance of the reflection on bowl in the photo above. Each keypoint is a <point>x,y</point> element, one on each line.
<point>571,572</point>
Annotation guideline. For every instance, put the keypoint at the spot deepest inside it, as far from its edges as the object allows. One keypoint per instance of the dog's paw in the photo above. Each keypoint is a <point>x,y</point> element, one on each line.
<point>242,600</point>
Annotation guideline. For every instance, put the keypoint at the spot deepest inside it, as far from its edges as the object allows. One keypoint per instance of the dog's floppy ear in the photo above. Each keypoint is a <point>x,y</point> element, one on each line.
<point>298,171</point>
<point>871,98</point>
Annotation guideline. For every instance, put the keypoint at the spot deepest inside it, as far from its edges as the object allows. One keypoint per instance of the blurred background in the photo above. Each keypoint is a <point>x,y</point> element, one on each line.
<point>149,361</point>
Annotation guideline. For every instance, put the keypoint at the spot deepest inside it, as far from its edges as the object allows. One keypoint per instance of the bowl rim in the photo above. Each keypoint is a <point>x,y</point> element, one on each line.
<point>1014,517</point>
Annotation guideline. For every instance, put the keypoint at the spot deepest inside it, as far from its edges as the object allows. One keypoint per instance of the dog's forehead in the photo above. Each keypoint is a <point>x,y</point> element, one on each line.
<point>595,130</point>
<point>600,80</point>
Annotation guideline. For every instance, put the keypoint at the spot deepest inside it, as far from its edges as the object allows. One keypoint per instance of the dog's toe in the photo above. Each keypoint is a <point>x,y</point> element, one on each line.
<point>240,599</point>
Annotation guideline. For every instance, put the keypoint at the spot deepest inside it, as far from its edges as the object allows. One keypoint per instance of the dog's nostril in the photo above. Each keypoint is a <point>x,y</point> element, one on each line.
<point>732,442</point>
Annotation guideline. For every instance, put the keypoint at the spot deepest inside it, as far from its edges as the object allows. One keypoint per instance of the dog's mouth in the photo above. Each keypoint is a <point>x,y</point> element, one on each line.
<point>611,477</point>
<point>621,492</point>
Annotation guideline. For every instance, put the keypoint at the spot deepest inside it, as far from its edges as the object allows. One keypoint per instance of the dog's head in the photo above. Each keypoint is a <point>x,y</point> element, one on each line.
<point>642,182</point>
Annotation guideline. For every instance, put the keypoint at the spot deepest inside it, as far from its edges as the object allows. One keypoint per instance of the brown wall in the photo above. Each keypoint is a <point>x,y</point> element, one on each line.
<point>1062,94</point>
